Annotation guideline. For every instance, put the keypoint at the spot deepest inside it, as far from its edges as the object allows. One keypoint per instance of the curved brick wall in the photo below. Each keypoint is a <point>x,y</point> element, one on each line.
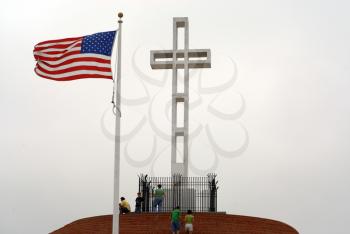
<point>205,223</point>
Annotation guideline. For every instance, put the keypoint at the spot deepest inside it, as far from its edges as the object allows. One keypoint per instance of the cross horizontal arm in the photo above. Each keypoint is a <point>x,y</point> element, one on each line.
<point>164,59</point>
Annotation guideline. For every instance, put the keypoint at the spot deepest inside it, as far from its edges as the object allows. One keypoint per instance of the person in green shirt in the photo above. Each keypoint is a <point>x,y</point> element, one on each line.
<point>175,220</point>
<point>189,222</point>
<point>158,198</point>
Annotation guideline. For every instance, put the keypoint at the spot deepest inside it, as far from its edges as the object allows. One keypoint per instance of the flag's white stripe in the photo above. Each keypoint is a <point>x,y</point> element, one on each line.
<point>49,49</point>
<point>77,56</point>
<point>68,74</point>
<point>40,53</point>
<point>58,43</point>
<point>96,64</point>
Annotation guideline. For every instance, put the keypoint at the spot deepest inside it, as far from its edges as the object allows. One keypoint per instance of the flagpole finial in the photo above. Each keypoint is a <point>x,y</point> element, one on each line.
<point>120,15</point>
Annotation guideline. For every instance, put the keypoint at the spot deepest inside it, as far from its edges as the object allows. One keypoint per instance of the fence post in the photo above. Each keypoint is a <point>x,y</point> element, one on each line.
<point>213,192</point>
<point>144,186</point>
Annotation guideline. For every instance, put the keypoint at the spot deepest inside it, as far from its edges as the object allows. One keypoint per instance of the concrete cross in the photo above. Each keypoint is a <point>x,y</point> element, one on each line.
<point>175,59</point>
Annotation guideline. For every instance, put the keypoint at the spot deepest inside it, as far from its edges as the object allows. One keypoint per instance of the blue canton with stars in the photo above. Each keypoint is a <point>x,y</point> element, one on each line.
<point>98,43</point>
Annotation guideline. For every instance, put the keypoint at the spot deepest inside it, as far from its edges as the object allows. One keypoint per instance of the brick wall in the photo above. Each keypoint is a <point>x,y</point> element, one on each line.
<point>205,223</point>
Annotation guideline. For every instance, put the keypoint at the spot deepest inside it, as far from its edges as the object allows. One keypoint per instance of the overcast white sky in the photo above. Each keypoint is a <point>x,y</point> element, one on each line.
<point>291,63</point>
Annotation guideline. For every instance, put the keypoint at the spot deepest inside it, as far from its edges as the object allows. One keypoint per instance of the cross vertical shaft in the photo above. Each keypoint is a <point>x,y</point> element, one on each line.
<point>183,58</point>
<point>179,167</point>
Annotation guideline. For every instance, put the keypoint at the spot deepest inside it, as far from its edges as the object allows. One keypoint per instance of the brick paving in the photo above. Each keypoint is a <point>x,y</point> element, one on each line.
<point>153,223</point>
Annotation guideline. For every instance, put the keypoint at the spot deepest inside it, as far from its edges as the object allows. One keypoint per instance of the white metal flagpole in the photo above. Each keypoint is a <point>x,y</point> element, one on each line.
<point>117,133</point>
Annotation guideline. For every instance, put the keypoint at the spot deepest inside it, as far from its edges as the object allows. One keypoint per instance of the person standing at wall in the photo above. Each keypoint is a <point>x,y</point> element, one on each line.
<point>138,203</point>
<point>158,198</point>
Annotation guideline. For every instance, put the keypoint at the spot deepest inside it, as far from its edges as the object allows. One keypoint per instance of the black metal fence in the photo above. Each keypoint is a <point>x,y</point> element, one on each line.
<point>198,194</point>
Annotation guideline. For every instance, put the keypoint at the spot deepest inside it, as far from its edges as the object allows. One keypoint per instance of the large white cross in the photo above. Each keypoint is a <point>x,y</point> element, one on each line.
<point>175,59</point>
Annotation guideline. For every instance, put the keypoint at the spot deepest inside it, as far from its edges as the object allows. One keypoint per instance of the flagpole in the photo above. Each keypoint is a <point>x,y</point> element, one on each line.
<point>117,133</point>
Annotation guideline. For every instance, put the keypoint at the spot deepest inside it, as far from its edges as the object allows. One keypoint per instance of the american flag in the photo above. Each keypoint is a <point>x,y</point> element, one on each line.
<point>75,58</point>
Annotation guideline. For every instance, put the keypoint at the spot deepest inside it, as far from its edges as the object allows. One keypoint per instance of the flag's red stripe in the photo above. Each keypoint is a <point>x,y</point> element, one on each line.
<point>82,59</point>
<point>76,77</point>
<point>76,68</point>
<point>58,40</point>
<point>55,46</point>
<point>43,58</point>
<point>57,51</point>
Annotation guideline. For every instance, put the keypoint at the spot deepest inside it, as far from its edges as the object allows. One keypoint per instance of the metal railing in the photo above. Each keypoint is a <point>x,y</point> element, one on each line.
<point>198,194</point>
